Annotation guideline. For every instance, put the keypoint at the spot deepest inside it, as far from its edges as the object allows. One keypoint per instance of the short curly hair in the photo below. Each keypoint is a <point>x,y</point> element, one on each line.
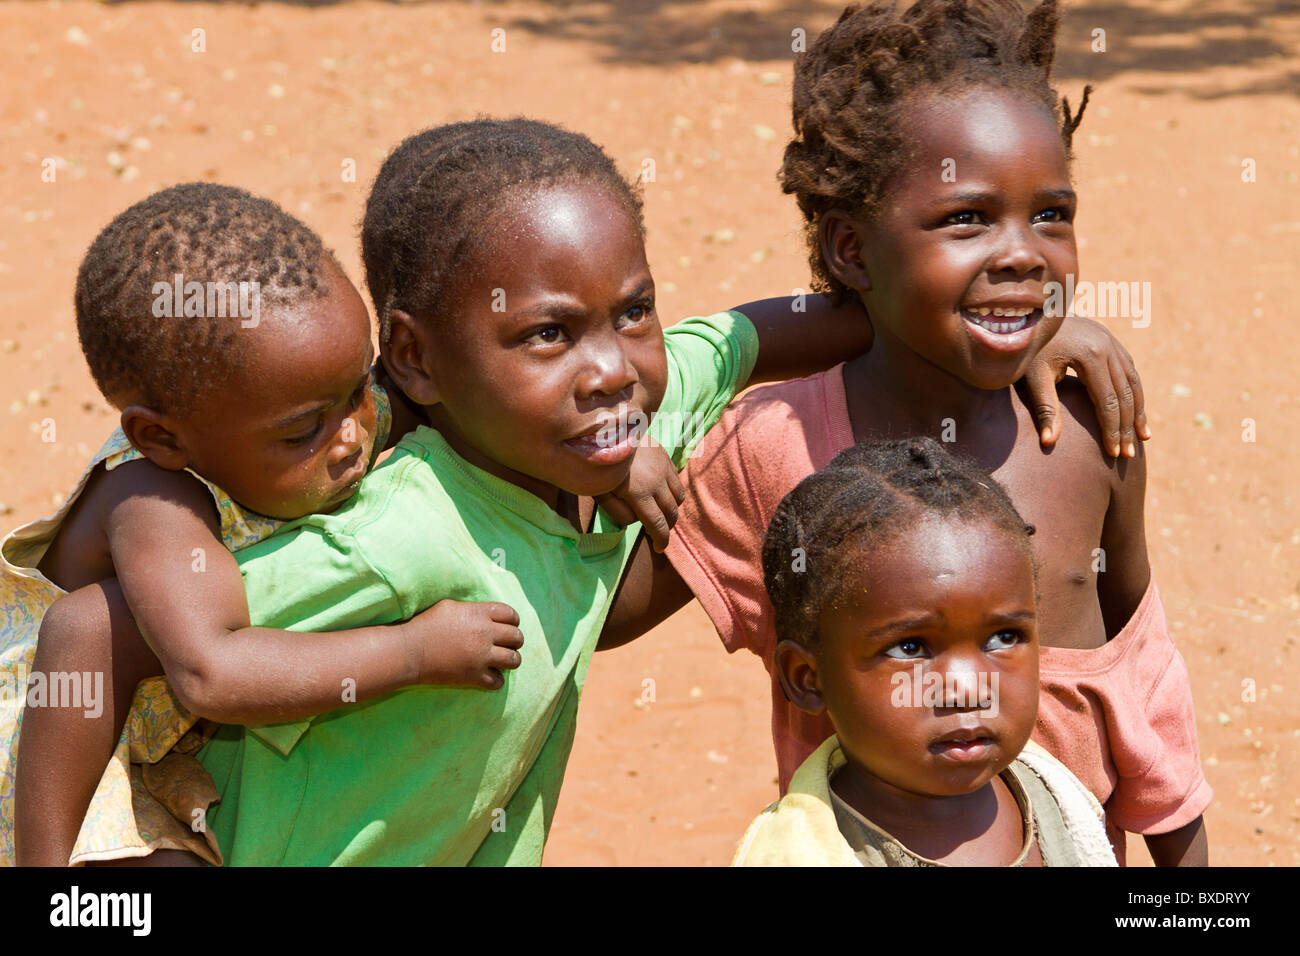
<point>437,194</point>
<point>202,232</point>
<point>877,490</point>
<point>851,87</point>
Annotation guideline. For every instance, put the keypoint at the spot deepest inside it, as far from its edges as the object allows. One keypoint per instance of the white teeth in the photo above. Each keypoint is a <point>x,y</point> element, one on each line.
<point>1003,328</point>
<point>1017,318</point>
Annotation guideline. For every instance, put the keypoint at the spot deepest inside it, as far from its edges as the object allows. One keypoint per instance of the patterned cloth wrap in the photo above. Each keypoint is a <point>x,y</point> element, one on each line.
<point>154,794</point>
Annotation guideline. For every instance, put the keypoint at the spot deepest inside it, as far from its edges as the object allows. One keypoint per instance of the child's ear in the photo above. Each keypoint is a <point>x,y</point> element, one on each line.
<point>408,357</point>
<point>155,436</point>
<point>796,670</point>
<point>841,241</point>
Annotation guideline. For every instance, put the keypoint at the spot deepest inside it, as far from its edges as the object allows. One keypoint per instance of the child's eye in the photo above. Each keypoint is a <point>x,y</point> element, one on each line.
<point>298,440</point>
<point>967,217</point>
<point>1055,214</point>
<point>639,314</point>
<point>1003,639</point>
<point>906,650</point>
<point>546,335</point>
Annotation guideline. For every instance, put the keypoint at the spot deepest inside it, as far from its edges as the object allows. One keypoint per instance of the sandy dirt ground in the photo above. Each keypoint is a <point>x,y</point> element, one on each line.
<point>1191,99</point>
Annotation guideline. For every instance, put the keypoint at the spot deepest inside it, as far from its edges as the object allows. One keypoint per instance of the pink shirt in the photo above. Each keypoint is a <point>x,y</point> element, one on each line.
<point>1119,716</point>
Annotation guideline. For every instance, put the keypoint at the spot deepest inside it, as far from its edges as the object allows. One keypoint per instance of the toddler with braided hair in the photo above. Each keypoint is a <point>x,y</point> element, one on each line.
<point>903,585</point>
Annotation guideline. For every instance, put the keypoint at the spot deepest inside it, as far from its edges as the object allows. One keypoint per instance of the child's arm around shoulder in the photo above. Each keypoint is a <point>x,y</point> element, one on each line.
<point>180,591</point>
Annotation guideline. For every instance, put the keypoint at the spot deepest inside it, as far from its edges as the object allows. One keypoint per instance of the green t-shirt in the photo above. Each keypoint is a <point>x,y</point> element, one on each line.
<point>443,775</point>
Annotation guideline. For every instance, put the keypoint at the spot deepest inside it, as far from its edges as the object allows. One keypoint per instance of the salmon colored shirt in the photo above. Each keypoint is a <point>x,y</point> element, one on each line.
<point>1119,716</point>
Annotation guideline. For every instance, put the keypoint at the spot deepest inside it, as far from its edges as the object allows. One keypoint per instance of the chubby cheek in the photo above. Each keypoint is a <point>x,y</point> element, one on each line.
<point>305,488</point>
<point>1018,696</point>
<point>865,714</point>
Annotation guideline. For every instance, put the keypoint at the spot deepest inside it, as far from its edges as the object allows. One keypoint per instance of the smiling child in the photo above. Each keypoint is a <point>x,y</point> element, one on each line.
<point>932,164</point>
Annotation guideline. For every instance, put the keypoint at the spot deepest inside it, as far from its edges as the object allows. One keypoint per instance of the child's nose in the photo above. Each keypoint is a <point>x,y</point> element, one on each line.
<point>1019,252</point>
<point>963,688</point>
<point>607,370</point>
<point>351,438</point>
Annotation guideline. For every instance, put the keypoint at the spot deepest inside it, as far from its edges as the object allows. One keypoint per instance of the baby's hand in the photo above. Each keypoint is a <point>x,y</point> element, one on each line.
<point>1106,370</point>
<point>463,644</point>
<point>650,494</point>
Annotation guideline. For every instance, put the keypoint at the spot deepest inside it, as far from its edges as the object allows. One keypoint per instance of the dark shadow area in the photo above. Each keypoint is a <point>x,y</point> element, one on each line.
<point>1200,38</point>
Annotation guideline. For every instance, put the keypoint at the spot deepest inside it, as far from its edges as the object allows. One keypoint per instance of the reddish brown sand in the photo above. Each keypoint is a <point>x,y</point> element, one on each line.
<point>284,94</point>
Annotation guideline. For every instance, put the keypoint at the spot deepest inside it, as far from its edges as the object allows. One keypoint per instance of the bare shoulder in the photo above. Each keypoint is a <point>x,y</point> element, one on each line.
<point>143,497</point>
<point>1127,476</point>
<point>1081,443</point>
<point>80,553</point>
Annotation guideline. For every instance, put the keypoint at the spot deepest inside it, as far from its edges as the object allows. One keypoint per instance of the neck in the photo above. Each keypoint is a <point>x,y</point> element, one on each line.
<point>893,392</point>
<point>941,821</point>
<point>558,501</point>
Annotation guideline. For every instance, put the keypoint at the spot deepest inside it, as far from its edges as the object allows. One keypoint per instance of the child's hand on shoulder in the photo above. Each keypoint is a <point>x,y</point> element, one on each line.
<point>466,644</point>
<point>650,494</point>
<point>1106,370</point>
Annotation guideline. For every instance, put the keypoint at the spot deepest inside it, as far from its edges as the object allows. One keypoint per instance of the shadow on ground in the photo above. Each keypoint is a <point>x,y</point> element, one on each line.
<point>1164,38</point>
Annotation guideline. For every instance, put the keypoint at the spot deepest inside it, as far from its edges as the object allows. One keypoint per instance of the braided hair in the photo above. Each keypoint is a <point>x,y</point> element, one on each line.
<point>203,232</point>
<point>434,200</point>
<point>851,89</point>
<point>875,491</point>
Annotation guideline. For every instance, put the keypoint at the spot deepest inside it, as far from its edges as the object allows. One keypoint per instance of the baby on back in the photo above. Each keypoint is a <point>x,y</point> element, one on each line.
<point>240,357</point>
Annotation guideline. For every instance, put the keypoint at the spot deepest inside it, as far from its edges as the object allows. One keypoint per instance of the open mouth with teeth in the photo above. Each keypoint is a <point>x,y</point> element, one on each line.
<point>1001,320</point>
